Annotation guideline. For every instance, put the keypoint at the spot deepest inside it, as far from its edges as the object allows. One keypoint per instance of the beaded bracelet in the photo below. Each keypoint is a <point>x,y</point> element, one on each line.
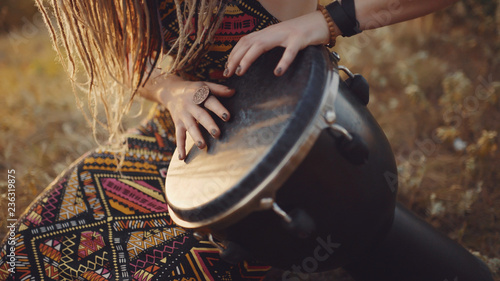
<point>331,26</point>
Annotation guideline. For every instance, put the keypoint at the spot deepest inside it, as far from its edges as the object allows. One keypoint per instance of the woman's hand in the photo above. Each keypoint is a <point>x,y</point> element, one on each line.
<point>176,95</point>
<point>294,35</point>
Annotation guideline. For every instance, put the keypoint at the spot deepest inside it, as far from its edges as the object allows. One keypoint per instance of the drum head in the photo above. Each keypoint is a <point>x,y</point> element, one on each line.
<point>252,157</point>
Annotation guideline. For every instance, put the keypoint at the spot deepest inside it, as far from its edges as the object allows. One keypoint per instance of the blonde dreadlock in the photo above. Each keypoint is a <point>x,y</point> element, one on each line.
<point>117,44</point>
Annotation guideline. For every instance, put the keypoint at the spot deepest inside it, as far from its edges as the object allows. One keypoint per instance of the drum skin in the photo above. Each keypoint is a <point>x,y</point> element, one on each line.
<point>351,206</point>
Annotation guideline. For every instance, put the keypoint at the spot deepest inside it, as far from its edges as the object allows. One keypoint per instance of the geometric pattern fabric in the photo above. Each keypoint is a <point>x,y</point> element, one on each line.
<point>241,18</point>
<point>94,223</point>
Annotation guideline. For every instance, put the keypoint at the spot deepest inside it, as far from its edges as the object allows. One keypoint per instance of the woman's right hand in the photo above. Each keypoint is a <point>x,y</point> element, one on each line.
<point>176,94</point>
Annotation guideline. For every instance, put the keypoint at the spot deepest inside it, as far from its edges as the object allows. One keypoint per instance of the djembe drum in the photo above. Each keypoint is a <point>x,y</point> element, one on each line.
<point>303,178</point>
<point>302,162</point>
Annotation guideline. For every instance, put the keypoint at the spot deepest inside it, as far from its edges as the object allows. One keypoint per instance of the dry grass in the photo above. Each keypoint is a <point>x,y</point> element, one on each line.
<point>435,89</point>
<point>435,85</point>
<point>42,131</point>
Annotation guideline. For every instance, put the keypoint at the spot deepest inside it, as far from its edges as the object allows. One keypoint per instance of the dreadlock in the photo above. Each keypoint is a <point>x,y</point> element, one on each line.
<point>117,44</point>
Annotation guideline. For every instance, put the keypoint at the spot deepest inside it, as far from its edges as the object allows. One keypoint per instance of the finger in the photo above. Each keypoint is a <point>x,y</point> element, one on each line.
<point>214,105</point>
<point>204,118</point>
<point>220,90</point>
<point>250,56</point>
<point>236,54</point>
<point>194,131</point>
<point>180,136</point>
<point>285,61</point>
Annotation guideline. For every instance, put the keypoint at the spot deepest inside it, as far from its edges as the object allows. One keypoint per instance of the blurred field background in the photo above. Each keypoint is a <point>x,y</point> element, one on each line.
<point>435,90</point>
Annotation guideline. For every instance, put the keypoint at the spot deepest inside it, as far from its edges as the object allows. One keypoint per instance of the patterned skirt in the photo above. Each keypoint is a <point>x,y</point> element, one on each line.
<point>94,223</point>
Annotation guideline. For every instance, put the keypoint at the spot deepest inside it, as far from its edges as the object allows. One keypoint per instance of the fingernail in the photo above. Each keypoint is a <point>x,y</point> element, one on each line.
<point>224,116</point>
<point>226,72</point>
<point>180,156</point>
<point>238,70</point>
<point>214,133</point>
<point>278,71</point>
<point>225,65</point>
<point>199,144</point>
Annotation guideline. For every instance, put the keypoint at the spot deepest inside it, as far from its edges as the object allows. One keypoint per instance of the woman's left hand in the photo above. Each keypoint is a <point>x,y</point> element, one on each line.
<point>294,35</point>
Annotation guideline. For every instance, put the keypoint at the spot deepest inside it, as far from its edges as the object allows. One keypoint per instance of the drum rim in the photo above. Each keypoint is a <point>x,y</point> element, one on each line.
<point>286,166</point>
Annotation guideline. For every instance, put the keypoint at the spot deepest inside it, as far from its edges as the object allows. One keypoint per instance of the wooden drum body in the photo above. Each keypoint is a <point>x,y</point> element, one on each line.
<point>280,185</point>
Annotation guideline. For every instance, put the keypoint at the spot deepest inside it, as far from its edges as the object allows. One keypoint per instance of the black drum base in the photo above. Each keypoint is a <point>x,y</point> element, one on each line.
<point>414,251</point>
<point>304,177</point>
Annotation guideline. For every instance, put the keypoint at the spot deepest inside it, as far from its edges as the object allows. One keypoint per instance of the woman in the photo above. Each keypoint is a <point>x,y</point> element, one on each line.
<point>99,222</point>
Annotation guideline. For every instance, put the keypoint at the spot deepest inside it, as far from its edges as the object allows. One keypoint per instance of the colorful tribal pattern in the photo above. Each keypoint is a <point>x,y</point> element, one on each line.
<point>96,224</point>
<point>241,18</point>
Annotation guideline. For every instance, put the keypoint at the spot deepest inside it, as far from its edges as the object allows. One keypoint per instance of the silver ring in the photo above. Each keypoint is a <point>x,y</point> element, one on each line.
<point>201,95</point>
